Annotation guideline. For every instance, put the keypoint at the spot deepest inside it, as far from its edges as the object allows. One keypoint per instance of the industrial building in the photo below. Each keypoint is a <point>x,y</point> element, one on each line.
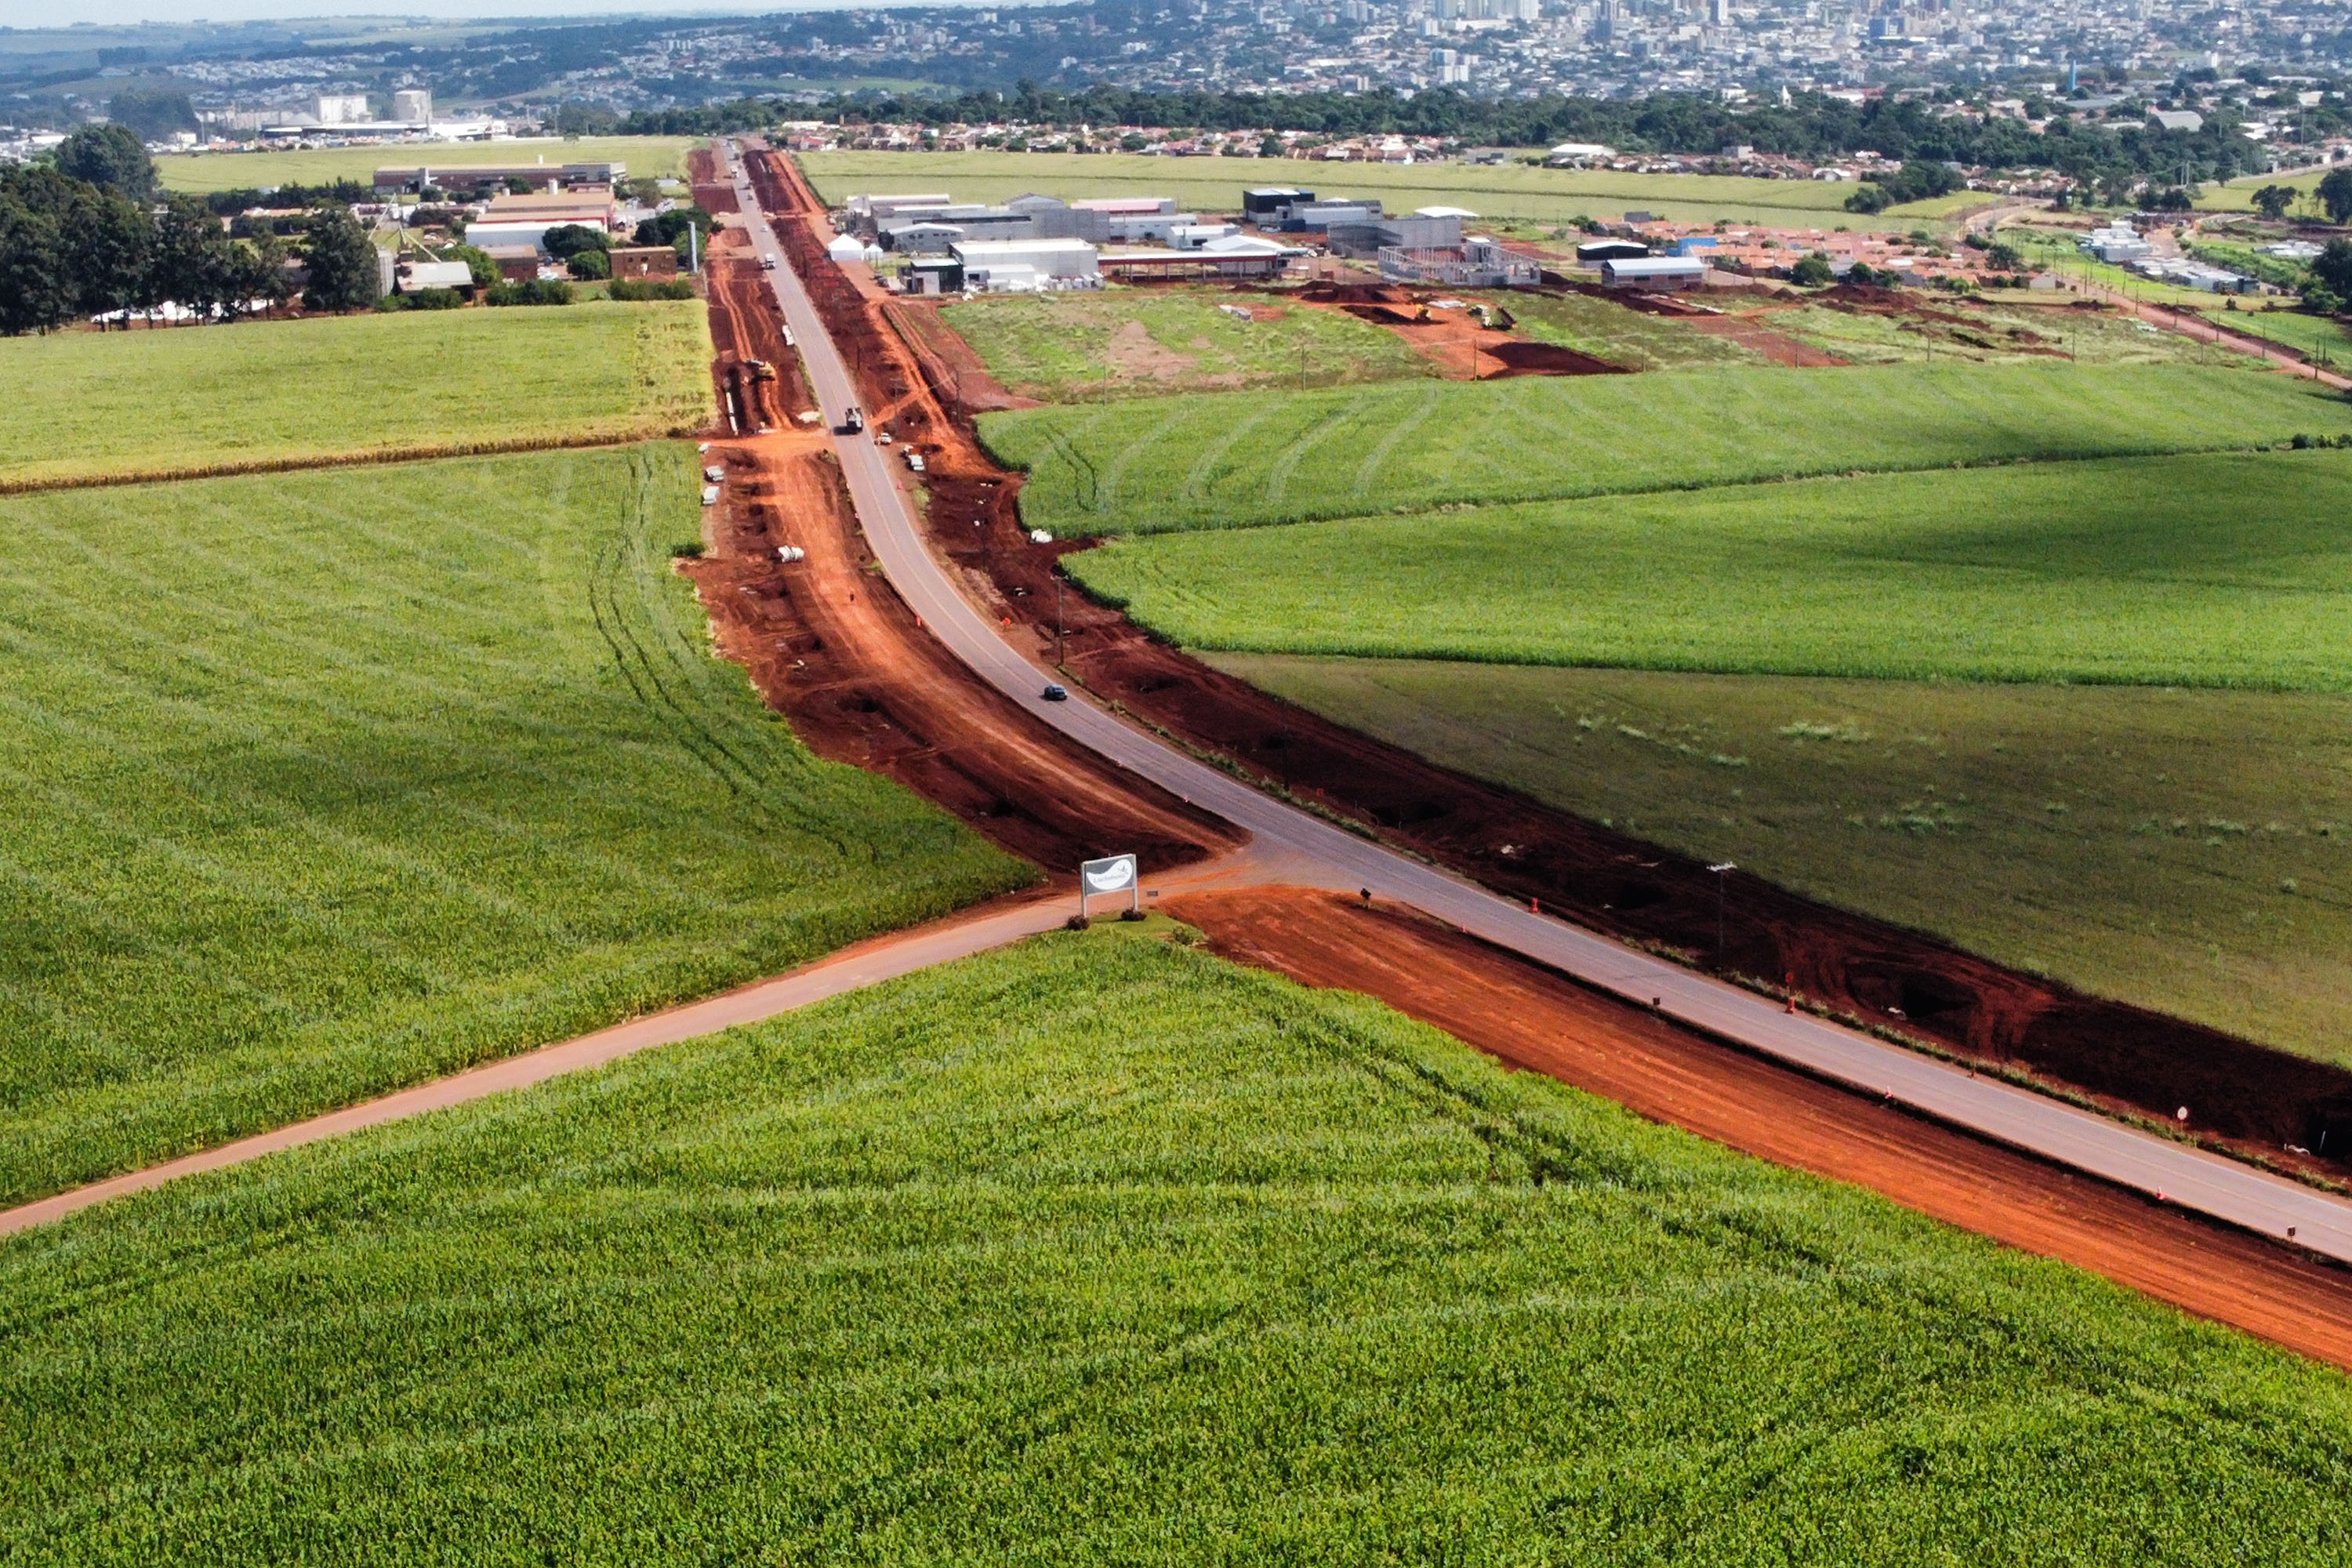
<point>642,261</point>
<point>1653,273</point>
<point>413,179</point>
<point>2185,273</point>
<point>1593,252</point>
<point>2119,244</point>
<point>1268,205</point>
<point>525,220</point>
<point>1230,256</point>
<point>408,277</point>
<point>1479,261</point>
<point>929,224</point>
<point>1021,266</point>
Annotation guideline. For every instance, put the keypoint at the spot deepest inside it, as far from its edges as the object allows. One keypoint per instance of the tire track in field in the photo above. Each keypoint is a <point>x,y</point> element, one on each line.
<point>1388,444</point>
<point>620,561</point>
<point>1114,478</point>
<point>1198,476</point>
<point>1278,479</point>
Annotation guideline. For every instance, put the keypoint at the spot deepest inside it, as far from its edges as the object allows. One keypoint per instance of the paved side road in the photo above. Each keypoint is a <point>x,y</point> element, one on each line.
<point>1325,856</point>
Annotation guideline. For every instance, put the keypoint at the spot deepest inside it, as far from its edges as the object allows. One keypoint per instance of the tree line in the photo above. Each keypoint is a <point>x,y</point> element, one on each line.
<point>1810,126</point>
<point>86,234</point>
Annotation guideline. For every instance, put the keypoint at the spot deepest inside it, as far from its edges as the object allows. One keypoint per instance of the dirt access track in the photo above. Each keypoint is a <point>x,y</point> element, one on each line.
<point>973,525</point>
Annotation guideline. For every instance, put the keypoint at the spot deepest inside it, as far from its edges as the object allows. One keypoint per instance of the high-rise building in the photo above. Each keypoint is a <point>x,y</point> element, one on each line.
<point>414,105</point>
<point>342,108</point>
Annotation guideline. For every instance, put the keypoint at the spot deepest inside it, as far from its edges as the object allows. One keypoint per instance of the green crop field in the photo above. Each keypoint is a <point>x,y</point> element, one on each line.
<point>2237,195</point>
<point>1632,338</point>
<point>2229,571</point>
<point>1990,330</point>
<point>1215,186</point>
<point>2187,851</point>
<point>75,405</point>
<point>322,784</point>
<point>647,157</point>
<point>1077,348</point>
<point>1100,1250</point>
<point>1238,459</point>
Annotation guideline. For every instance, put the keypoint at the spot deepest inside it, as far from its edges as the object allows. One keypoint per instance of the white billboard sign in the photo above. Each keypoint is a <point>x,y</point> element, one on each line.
<point>1114,875</point>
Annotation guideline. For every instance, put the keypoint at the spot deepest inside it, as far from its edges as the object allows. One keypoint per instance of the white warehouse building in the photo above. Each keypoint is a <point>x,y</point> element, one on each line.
<point>1023,264</point>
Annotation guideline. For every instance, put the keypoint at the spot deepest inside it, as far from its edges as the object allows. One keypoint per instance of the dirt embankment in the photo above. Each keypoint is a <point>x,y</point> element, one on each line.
<point>1536,1020</point>
<point>2255,1100</point>
<point>829,644</point>
<point>1454,338</point>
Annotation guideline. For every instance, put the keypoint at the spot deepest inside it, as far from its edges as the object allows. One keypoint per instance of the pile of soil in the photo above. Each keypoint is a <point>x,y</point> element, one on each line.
<point>1518,358</point>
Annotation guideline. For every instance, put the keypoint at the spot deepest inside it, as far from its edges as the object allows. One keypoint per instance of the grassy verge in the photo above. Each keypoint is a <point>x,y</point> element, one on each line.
<point>1607,330</point>
<point>2321,338</point>
<point>2189,851</point>
<point>1215,186</point>
<point>1101,1250</point>
<point>646,157</point>
<point>1991,330</point>
<point>2203,571</point>
<point>1238,459</point>
<point>1084,348</point>
<point>2237,195</point>
<point>77,404</point>
<point>313,786</point>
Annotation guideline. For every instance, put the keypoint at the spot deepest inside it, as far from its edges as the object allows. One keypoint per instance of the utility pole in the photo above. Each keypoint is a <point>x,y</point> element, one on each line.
<point>1058,580</point>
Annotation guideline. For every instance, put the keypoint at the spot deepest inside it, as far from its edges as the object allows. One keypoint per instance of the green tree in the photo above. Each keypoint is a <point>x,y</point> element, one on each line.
<point>1813,272</point>
<point>2336,196</point>
<point>2333,268</point>
<point>258,271</point>
<point>567,240</point>
<point>151,116</point>
<point>343,271</point>
<point>194,262</point>
<point>2271,201</point>
<point>590,264</point>
<point>109,155</point>
<point>109,244</point>
<point>36,291</point>
<point>478,262</point>
<point>669,227</point>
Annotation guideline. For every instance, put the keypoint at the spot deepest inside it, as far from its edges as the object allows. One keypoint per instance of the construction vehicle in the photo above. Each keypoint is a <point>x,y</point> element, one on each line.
<point>851,421</point>
<point>760,370</point>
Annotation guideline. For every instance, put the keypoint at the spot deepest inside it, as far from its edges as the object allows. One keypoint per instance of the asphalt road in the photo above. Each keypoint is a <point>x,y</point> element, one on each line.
<point>1313,852</point>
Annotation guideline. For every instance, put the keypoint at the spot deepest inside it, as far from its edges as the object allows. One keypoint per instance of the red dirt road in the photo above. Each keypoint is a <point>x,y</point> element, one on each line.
<point>2246,1098</point>
<point>1540,1022</point>
<point>829,644</point>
